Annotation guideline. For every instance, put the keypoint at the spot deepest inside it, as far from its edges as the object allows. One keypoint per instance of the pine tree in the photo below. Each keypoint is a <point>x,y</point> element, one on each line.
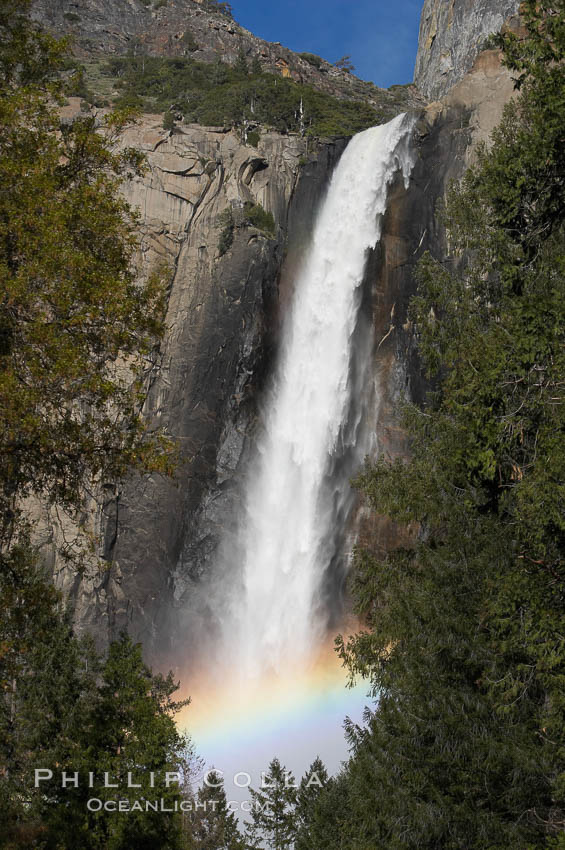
<point>214,826</point>
<point>47,683</point>
<point>326,823</point>
<point>311,785</point>
<point>126,730</point>
<point>273,810</point>
<point>241,65</point>
<point>65,708</point>
<point>345,64</point>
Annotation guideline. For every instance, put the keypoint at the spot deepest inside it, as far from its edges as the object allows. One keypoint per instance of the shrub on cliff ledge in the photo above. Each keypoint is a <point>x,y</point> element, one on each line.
<point>224,95</point>
<point>217,6</point>
<point>226,222</point>
<point>312,59</point>
<point>260,218</point>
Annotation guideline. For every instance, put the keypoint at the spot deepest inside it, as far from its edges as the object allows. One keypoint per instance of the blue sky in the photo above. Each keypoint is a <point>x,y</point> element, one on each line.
<point>380,35</point>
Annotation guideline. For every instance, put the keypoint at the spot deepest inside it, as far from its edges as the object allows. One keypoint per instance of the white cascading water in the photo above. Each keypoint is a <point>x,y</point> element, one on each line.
<point>287,534</point>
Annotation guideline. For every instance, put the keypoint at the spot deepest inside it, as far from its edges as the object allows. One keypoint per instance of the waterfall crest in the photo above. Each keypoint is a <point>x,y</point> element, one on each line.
<point>292,499</point>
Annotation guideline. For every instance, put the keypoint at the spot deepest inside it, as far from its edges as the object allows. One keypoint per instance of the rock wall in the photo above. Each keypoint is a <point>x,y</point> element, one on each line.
<point>222,324</point>
<point>452,33</point>
<point>157,536</point>
<point>101,28</point>
<point>445,140</point>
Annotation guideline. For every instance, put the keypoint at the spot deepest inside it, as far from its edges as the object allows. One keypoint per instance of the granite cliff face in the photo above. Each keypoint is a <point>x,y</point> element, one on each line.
<point>102,28</point>
<point>445,139</point>
<point>222,323</point>
<point>157,538</point>
<point>452,34</point>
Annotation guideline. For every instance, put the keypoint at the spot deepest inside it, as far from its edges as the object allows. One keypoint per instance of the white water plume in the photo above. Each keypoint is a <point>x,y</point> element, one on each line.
<point>296,488</point>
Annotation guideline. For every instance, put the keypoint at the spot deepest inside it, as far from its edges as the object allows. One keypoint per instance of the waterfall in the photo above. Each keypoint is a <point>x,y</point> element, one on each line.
<point>265,679</point>
<point>296,493</point>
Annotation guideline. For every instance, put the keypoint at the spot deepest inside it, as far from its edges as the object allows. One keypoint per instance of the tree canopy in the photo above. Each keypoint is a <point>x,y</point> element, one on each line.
<point>219,94</point>
<point>78,331</point>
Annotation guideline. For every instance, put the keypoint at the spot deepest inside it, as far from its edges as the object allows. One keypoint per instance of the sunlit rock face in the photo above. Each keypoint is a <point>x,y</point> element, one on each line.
<point>221,324</point>
<point>188,28</point>
<point>159,537</point>
<point>452,34</point>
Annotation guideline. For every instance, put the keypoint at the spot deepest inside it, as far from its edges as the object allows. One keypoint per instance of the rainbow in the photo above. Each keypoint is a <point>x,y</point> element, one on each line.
<point>232,722</point>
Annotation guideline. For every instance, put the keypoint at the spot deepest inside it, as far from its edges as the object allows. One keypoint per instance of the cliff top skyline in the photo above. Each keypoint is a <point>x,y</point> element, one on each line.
<point>381,38</point>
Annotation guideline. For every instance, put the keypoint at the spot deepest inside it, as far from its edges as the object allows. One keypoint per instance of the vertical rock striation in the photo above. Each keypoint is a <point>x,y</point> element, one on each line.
<point>452,33</point>
<point>159,536</point>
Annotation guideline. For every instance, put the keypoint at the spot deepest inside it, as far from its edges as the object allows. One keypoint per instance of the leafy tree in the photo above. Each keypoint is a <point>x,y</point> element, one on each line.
<point>77,335</point>
<point>241,65</point>
<point>273,809</point>
<point>345,64</point>
<point>71,305</point>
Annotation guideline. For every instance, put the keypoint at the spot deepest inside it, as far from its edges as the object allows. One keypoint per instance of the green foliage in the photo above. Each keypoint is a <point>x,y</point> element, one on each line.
<point>253,215</point>
<point>322,813</point>
<point>217,6</point>
<point>345,64</point>
<point>189,42</point>
<point>241,65</point>
<point>29,57</point>
<point>77,337</point>
<point>72,17</point>
<point>78,87</point>
<point>253,137</point>
<point>226,222</point>
<point>260,218</point>
<point>169,122</point>
<point>312,59</point>
<point>273,810</point>
<point>464,623</point>
<point>223,95</point>
<point>65,707</point>
<point>71,304</point>
<point>213,826</point>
